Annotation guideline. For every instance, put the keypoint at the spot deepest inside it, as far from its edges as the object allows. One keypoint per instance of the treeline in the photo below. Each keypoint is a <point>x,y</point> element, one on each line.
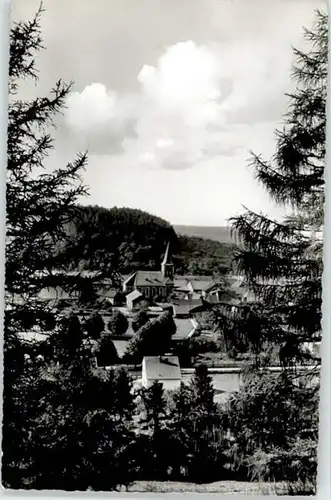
<point>128,239</point>
<point>199,256</point>
<point>78,427</point>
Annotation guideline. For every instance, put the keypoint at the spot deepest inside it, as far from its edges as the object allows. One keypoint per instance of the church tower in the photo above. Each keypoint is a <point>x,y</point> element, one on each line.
<point>167,267</point>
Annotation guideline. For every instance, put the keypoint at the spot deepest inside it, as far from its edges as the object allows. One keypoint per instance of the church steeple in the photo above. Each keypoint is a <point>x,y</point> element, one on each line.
<point>167,267</point>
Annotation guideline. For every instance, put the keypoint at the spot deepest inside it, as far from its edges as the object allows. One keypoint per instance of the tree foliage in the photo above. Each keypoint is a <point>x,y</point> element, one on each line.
<point>118,323</point>
<point>153,338</point>
<point>105,352</point>
<point>130,239</point>
<point>94,326</point>
<point>58,422</point>
<point>274,419</point>
<point>139,320</point>
<point>196,430</point>
<point>39,202</point>
<point>273,425</point>
<point>281,261</point>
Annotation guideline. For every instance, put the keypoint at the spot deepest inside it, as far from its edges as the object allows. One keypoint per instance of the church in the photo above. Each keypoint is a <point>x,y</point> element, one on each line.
<point>153,284</point>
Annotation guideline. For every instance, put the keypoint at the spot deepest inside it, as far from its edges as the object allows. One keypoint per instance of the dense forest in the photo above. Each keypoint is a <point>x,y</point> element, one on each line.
<point>128,239</point>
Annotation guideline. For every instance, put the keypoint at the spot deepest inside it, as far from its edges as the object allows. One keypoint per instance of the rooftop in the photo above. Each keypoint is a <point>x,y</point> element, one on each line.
<point>186,306</point>
<point>151,278</point>
<point>134,295</point>
<point>183,328</point>
<point>162,367</point>
<point>110,293</point>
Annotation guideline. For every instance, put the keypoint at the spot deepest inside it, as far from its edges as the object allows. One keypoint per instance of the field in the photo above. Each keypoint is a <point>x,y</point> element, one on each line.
<point>221,234</point>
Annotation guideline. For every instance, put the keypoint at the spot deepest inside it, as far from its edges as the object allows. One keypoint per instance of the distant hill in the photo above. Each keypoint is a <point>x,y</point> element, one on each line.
<point>126,239</point>
<point>216,233</point>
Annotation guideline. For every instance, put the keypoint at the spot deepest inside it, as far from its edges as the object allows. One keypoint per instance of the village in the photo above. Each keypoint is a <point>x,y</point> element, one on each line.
<point>164,249</point>
<point>189,299</point>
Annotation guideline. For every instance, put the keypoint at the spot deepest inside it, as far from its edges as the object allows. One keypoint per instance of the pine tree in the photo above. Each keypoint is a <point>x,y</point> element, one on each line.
<point>281,261</point>
<point>110,438</point>
<point>195,430</point>
<point>87,291</point>
<point>38,204</point>
<point>124,395</point>
<point>105,351</point>
<point>68,340</point>
<point>155,438</point>
<point>45,405</point>
<point>180,432</point>
<point>205,421</point>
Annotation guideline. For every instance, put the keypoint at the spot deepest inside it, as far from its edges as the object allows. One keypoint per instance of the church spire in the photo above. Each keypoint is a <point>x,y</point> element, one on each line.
<point>167,267</point>
<point>166,255</point>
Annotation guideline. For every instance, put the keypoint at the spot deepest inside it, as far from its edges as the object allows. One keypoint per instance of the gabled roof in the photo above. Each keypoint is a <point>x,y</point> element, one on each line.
<point>151,278</point>
<point>180,282</point>
<point>196,277</point>
<point>186,306</point>
<point>109,293</point>
<point>162,367</point>
<point>134,295</point>
<point>130,278</point>
<point>205,285</point>
<point>183,328</point>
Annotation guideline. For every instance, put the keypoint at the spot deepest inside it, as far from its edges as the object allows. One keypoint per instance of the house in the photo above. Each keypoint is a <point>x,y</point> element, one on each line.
<point>185,328</point>
<point>164,369</point>
<point>56,294</point>
<point>134,300</point>
<point>214,299</point>
<point>153,284</point>
<point>195,287</point>
<point>239,290</point>
<point>186,308</point>
<point>111,295</point>
<point>204,286</point>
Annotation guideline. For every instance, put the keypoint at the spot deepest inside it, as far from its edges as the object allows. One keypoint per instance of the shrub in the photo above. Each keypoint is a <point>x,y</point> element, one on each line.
<point>118,323</point>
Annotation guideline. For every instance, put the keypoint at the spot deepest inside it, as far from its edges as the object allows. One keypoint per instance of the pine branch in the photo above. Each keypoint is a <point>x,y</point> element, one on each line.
<point>26,40</point>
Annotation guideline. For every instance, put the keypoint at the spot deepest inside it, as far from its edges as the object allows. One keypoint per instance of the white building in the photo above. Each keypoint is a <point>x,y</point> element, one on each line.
<point>164,369</point>
<point>134,299</point>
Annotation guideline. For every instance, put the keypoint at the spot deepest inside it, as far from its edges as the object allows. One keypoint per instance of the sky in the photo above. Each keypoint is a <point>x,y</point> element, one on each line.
<point>170,97</point>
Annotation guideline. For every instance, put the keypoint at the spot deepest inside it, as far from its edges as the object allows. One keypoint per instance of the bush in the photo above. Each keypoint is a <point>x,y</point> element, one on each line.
<point>94,326</point>
<point>139,320</point>
<point>118,323</point>
<point>106,352</point>
<point>191,348</point>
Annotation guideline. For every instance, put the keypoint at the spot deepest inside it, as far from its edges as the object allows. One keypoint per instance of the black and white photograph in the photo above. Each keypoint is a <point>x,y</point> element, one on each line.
<point>165,199</point>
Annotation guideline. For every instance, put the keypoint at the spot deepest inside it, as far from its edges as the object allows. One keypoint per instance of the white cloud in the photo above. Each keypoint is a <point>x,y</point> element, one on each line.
<point>92,108</point>
<point>174,114</point>
<point>186,74</point>
<point>195,103</point>
<point>181,98</point>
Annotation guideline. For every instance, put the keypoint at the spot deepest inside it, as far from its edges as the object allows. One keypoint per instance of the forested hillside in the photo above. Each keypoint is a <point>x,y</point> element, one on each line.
<point>127,239</point>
